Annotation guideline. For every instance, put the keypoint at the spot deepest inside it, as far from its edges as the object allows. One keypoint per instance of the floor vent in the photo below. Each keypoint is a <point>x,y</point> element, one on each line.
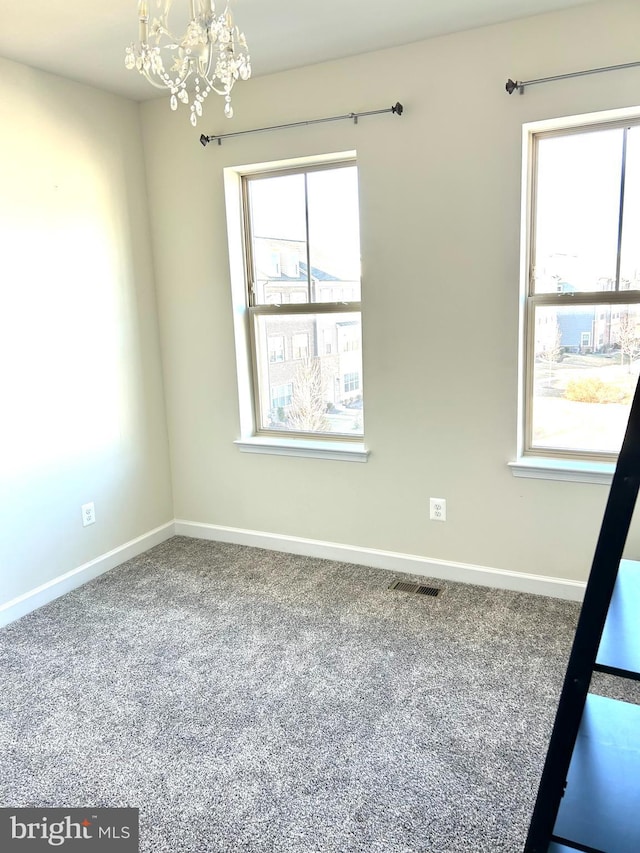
<point>414,588</point>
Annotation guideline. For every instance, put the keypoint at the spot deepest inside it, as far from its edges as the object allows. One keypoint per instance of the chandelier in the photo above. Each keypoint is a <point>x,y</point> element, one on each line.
<point>210,56</point>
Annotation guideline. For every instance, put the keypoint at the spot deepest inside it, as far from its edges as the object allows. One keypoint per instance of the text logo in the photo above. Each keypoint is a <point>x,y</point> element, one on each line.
<point>72,830</point>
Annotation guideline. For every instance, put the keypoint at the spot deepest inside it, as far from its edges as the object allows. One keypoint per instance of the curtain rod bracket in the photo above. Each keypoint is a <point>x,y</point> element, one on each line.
<point>396,109</point>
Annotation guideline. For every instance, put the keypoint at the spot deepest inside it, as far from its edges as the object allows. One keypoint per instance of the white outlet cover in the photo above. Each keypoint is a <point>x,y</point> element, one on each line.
<point>437,509</point>
<point>88,514</point>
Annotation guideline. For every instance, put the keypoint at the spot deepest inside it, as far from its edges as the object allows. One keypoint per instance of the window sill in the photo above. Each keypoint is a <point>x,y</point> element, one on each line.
<point>339,451</point>
<point>568,470</point>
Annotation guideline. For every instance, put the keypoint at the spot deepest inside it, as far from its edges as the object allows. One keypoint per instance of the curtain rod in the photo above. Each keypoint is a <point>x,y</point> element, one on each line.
<point>512,85</point>
<point>397,108</point>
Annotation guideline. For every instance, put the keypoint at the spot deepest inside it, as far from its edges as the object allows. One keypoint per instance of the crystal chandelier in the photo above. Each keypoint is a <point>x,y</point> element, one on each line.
<point>209,57</point>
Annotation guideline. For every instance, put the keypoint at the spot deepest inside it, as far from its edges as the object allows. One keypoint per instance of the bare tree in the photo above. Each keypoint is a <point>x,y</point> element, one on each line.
<point>628,339</point>
<point>308,408</point>
<point>552,354</point>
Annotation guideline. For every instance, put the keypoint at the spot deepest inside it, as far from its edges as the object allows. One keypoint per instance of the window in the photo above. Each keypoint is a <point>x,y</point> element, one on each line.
<point>281,396</point>
<point>308,219</point>
<point>300,345</point>
<point>276,348</point>
<point>348,337</point>
<point>582,346</point>
<point>275,262</point>
<point>351,382</point>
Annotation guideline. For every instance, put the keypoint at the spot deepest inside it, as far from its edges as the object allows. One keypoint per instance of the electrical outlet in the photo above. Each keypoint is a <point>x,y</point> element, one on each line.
<point>437,509</point>
<point>88,514</point>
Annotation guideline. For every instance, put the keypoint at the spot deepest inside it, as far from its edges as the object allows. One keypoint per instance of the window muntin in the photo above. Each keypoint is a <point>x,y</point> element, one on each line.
<point>630,244</point>
<point>583,303</point>
<point>303,249</point>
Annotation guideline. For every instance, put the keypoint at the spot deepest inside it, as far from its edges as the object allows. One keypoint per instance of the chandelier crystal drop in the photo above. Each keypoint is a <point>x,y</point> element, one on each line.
<point>210,56</point>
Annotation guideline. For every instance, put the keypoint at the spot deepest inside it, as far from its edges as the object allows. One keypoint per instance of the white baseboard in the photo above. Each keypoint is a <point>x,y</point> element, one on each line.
<point>35,598</point>
<point>391,560</point>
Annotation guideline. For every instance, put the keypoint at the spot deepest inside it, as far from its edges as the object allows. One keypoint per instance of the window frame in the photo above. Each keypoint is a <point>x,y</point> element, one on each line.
<point>532,134</point>
<point>254,311</point>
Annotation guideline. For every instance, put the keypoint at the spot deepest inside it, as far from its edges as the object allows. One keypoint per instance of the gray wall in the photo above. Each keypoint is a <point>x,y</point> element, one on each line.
<point>82,405</point>
<point>440,203</point>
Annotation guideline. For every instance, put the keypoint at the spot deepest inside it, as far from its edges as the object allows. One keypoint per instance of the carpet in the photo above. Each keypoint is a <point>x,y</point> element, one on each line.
<point>249,700</point>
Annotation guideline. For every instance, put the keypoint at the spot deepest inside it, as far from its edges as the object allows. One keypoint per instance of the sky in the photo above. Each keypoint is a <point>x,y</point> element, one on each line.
<point>578,202</point>
<point>278,210</point>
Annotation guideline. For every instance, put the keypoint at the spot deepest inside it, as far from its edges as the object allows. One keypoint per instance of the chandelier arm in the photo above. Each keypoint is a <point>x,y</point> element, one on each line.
<point>206,73</point>
<point>169,83</point>
<point>215,89</point>
<point>161,85</point>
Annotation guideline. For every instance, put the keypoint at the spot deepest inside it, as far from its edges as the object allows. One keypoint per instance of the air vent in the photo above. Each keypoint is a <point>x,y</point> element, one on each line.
<point>414,588</point>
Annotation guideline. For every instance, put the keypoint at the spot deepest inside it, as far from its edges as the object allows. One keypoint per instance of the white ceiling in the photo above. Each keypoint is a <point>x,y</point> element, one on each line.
<point>85,39</point>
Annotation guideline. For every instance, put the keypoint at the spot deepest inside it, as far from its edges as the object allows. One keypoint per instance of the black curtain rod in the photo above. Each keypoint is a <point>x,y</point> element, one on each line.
<point>397,108</point>
<point>512,85</point>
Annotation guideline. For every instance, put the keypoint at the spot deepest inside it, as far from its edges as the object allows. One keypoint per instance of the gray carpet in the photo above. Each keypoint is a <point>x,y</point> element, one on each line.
<point>248,700</point>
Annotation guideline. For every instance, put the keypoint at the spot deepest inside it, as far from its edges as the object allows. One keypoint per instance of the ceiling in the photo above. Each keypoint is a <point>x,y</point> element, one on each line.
<point>86,40</point>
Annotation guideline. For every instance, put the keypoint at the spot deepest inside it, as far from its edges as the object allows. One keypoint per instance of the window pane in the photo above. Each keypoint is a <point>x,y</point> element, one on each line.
<point>279,239</point>
<point>587,359</point>
<point>630,250</point>
<point>334,235</point>
<point>577,211</point>
<point>317,386</point>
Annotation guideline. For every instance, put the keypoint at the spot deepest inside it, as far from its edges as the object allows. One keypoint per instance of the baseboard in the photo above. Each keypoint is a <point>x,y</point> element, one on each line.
<point>391,560</point>
<point>53,589</point>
